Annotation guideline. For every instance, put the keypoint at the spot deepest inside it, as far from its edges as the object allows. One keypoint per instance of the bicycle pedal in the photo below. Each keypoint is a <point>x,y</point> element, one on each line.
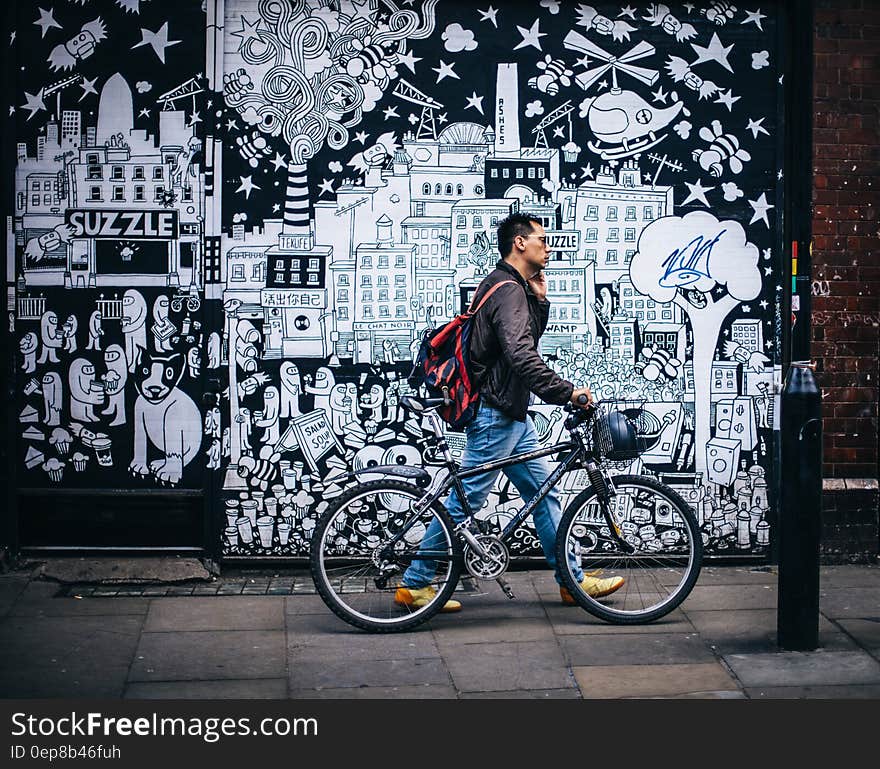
<point>508,591</point>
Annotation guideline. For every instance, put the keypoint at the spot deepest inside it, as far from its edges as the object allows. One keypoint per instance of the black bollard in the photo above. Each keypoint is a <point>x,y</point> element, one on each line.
<point>800,510</point>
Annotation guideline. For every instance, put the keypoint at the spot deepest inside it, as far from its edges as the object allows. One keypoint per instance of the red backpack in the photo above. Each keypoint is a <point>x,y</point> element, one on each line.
<point>443,366</point>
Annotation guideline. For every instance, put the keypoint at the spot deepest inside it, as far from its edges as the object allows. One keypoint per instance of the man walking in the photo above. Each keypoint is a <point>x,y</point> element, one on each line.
<point>506,364</point>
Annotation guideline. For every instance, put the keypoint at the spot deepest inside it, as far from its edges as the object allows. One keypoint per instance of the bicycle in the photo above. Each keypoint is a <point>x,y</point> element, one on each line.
<point>624,525</point>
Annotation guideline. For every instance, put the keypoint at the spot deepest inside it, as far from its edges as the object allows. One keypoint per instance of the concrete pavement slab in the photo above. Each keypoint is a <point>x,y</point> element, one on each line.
<point>312,643</point>
<point>865,632</point>
<point>38,600</point>
<point>258,689</point>
<point>210,655</point>
<point>820,668</point>
<point>508,666</point>
<point>130,570</point>
<point>306,604</point>
<point>572,620</point>
<point>635,649</point>
<point>736,575</point>
<point>525,694</point>
<point>456,630</point>
<point>754,630</point>
<point>727,597</point>
<point>10,588</point>
<point>340,673</point>
<point>619,681</point>
<point>849,576</point>
<point>852,692</point>
<point>850,602</point>
<point>418,692</point>
<point>68,679</point>
<point>220,613</point>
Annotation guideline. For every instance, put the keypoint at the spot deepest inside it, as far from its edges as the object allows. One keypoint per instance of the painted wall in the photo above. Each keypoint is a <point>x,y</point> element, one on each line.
<point>348,163</point>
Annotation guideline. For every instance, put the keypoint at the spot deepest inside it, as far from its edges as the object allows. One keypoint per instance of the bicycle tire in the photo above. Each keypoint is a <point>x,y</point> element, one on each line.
<point>629,607</point>
<point>357,608</point>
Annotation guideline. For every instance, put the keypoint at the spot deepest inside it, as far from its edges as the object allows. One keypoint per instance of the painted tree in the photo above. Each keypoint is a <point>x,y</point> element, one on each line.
<point>706,267</point>
<point>309,73</point>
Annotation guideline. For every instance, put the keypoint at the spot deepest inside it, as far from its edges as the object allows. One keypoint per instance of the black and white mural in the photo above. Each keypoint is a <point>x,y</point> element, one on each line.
<point>105,244</point>
<point>332,174</point>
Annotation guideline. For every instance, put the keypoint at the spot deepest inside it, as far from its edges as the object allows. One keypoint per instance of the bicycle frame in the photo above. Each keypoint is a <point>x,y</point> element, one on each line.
<point>457,474</point>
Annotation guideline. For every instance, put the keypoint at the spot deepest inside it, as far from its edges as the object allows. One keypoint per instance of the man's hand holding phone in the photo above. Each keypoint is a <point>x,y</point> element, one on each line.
<point>538,284</point>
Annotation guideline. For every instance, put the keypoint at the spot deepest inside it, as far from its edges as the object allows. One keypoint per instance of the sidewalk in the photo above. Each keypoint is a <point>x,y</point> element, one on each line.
<point>148,644</point>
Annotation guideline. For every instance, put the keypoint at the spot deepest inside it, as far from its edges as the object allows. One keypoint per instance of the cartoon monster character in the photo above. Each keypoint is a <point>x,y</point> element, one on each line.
<point>28,347</point>
<point>85,392</point>
<point>114,384</point>
<point>165,415</point>
<point>51,336</point>
<point>53,394</point>
<point>134,316</point>
<point>291,389</point>
<point>95,331</point>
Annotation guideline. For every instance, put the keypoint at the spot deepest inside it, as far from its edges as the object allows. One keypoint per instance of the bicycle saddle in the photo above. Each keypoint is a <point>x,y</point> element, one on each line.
<point>420,405</point>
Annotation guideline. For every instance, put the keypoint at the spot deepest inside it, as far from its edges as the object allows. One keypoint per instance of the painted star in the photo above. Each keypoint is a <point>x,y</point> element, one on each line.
<point>627,11</point>
<point>531,36</point>
<point>768,270</point>
<point>248,31</point>
<point>12,37</point>
<point>476,102</point>
<point>659,95</point>
<point>158,40</point>
<point>690,7</point>
<point>326,186</point>
<point>603,84</point>
<point>34,102</point>
<point>276,207</point>
<point>746,308</point>
<point>559,131</point>
<point>247,186</point>
<point>445,70</point>
<point>715,51</point>
<point>756,128</point>
<point>390,112</point>
<point>409,60</point>
<point>279,161</point>
<point>489,15</point>
<point>144,112</point>
<point>194,118</point>
<point>231,125</point>
<point>88,87</point>
<point>587,171</point>
<point>756,17</point>
<point>697,192</point>
<point>760,207</point>
<point>779,174</point>
<point>727,99</point>
<point>11,110</point>
<point>764,304</point>
<point>363,10</point>
<point>361,136</point>
<point>46,21</point>
<point>441,118</point>
<point>769,344</point>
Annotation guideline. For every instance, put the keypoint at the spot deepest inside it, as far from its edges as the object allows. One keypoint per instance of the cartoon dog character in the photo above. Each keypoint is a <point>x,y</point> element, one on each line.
<point>167,416</point>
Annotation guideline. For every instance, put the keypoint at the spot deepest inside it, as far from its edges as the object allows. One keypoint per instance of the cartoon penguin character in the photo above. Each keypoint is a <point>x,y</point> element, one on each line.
<point>269,420</point>
<point>324,383</point>
<point>134,317</point>
<point>114,384</point>
<point>53,395</point>
<point>27,346</point>
<point>291,389</point>
<point>85,393</point>
<point>95,331</point>
<point>51,337</point>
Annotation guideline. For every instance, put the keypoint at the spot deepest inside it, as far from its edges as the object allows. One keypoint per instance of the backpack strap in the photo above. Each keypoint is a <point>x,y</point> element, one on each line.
<point>472,310</point>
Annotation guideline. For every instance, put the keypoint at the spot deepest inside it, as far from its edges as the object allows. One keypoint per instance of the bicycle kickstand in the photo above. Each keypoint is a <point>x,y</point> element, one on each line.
<point>505,586</point>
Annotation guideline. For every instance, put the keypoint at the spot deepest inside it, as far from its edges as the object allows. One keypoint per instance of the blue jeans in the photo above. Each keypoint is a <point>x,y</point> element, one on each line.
<point>494,435</point>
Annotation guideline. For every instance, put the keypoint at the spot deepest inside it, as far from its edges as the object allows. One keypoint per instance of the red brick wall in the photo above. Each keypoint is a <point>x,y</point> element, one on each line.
<point>846,231</point>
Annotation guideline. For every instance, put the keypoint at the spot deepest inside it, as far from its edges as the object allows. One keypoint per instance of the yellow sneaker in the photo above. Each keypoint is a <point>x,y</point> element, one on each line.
<point>417,597</point>
<point>593,587</point>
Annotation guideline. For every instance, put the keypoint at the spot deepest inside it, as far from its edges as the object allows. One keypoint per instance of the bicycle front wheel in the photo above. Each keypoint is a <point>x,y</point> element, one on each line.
<point>646,535</point>
<point>367,539</point>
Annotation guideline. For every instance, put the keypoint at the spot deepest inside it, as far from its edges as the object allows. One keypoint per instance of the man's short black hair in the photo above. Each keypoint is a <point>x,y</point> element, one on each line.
<point>510,227</point>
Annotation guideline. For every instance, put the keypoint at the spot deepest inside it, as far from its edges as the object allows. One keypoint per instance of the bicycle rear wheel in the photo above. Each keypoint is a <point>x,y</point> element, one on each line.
<point>364,543</point>
<point>646,535</point>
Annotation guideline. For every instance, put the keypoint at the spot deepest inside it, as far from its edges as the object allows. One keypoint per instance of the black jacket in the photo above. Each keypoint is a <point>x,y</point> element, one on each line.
<point>505,362</point>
